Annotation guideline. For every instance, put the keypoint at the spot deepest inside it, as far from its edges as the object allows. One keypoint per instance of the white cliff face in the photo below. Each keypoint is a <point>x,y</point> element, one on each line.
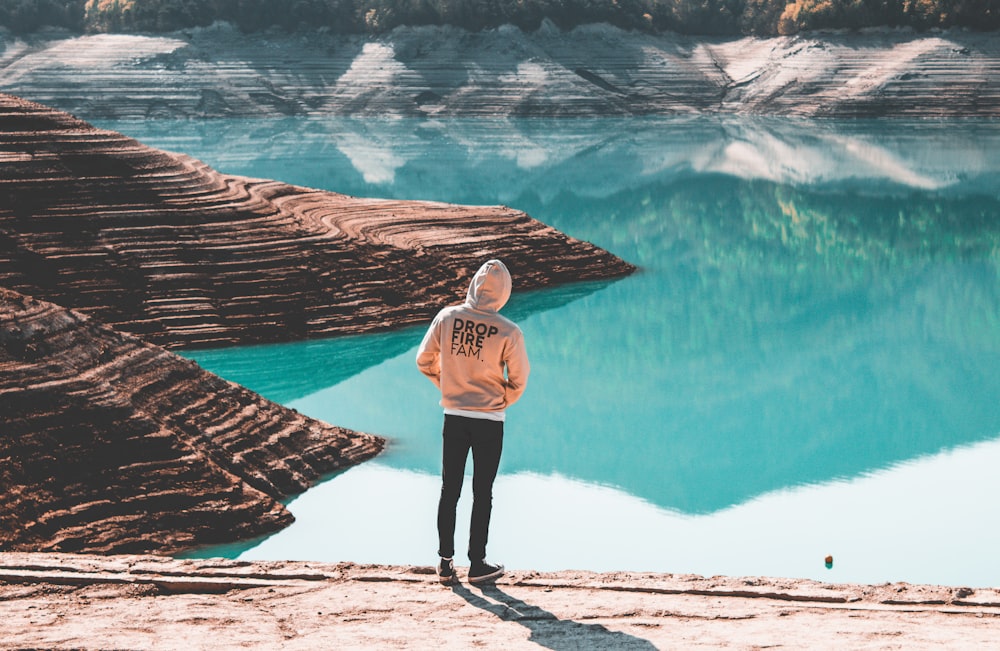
<point>594,70</point>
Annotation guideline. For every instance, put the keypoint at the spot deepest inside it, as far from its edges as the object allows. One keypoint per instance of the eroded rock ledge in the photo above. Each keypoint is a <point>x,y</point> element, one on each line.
<point>164,247</point>
<point>112,444</point>
<point>75,601</point>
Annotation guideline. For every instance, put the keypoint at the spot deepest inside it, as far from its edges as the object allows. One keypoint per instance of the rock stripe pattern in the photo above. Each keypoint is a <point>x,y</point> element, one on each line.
<point>164,247</point>
<point>111,444</point>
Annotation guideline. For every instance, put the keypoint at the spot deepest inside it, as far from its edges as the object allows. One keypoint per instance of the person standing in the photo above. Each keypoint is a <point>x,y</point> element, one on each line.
<point>477,358</point>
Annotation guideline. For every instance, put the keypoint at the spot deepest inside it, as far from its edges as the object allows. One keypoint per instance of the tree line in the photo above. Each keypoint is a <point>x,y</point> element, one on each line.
<point>699,17</point>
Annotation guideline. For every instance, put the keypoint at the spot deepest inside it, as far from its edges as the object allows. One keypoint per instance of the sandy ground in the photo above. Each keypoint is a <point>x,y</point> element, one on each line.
<point>57,601</point>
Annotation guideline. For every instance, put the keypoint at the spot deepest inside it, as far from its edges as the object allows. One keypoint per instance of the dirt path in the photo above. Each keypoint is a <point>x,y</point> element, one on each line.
<point>130,602</point>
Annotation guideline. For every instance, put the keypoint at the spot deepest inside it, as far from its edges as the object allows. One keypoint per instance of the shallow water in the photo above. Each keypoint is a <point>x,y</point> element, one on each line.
<point>805,365</point>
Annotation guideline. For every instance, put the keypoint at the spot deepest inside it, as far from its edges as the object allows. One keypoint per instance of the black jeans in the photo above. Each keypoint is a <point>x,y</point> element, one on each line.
<point>485,439</point>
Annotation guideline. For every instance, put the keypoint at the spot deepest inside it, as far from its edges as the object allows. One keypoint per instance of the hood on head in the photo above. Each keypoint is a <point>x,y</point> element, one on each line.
<point>490,287</point>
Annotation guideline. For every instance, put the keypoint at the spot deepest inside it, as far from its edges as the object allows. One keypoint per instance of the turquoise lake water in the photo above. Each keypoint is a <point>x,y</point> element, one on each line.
<point>806,364</point>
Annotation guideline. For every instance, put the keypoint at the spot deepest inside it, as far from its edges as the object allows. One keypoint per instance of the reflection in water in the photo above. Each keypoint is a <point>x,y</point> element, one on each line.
<point>507,161</point>
<point>817,301</point>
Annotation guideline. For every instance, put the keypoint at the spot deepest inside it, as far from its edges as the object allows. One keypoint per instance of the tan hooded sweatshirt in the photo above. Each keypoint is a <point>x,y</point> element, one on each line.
<point>473,354</point>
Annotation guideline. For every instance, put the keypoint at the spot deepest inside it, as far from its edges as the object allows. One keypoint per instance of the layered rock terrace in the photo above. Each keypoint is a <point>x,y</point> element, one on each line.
<point>112,444</point>
<point>162,246</point>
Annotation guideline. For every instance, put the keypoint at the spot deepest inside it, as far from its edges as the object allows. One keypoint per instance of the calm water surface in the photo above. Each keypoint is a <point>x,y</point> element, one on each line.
<point>805,365</point>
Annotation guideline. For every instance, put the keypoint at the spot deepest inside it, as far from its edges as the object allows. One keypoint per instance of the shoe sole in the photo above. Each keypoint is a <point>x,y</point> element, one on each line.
<point>447,580</point>
<point>486,577</point>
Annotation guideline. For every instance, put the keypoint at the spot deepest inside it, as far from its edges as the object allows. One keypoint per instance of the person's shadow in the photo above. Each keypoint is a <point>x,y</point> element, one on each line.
<point>547,630</point>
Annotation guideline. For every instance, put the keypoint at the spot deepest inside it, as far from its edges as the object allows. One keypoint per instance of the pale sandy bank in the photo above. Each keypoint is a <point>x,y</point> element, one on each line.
<point>58,601</point>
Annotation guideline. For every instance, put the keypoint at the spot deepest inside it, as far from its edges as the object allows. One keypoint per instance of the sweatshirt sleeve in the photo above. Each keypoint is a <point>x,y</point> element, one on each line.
<point>518,369</point>
<point>429,353</point>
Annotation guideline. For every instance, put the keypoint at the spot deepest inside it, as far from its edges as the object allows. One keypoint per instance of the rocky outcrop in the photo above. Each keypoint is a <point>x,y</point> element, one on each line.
<point>111,444</point>
<point>164,247</point>
<point>593,70</point>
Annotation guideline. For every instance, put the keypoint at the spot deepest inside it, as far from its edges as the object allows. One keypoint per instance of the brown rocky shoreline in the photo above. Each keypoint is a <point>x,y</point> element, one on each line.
<point>161,246</point>
<point>110,249</point>
<point>111,444</point>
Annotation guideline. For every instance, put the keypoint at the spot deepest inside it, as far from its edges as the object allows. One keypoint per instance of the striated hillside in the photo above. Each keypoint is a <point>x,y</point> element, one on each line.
<point>110,443</point>
<point>592,70</point>
<point>162,246</point>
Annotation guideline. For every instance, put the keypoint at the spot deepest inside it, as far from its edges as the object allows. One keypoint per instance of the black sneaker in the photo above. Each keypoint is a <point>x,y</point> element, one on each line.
<point>446,571</point>
<point>482,572</point>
